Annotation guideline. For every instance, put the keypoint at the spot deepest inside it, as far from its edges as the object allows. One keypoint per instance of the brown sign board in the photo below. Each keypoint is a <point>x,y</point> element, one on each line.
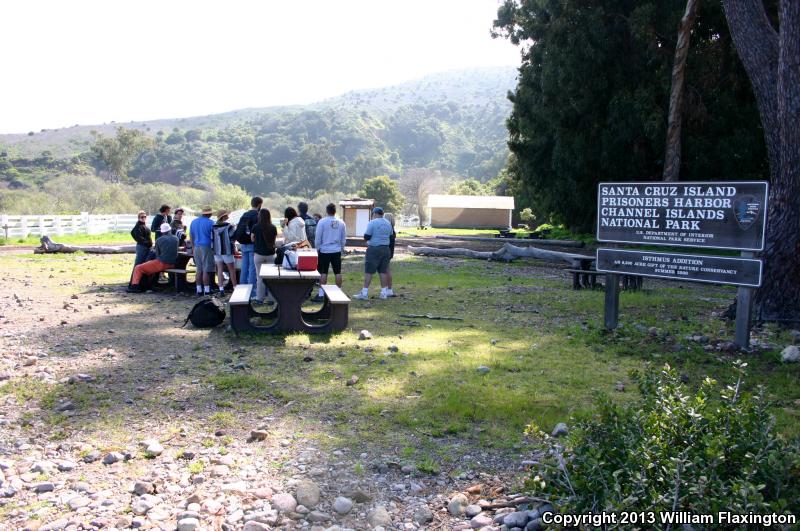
<point>718,215</point>
<point>674,266</point>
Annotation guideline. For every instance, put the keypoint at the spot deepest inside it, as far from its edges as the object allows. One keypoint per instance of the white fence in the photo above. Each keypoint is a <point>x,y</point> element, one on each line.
<point>83,223</point>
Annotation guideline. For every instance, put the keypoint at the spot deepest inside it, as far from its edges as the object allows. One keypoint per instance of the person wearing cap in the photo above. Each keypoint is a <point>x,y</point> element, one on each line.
<point>200,236</point>
<point>378,236</point>
<point>166,248</point>
<point>222,238</point>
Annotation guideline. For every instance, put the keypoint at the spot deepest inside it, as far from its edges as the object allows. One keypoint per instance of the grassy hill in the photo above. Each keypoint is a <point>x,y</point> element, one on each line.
<point>451,122</point>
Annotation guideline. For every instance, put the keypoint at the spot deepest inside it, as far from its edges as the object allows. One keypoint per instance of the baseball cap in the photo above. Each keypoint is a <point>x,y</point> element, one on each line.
<point>165,228</point>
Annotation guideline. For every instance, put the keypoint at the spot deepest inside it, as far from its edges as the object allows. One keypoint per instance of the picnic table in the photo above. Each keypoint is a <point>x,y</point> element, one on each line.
<point>291,289</point>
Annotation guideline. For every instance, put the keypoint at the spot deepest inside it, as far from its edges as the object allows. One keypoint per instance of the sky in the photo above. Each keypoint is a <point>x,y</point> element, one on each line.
<point>91,62</point>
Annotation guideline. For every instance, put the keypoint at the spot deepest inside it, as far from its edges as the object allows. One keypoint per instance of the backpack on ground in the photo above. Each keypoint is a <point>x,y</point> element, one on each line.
<point>207,313</point>
<point>311,230</point>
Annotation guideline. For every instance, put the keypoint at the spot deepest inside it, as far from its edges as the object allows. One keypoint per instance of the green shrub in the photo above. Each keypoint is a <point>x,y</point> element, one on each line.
<point>703,452</point>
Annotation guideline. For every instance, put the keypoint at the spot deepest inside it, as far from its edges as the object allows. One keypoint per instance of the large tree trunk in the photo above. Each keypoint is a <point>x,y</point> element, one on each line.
<point>672,152</point>
<point>506,253</point>
<point>49,246</point>
<point>772,62</point>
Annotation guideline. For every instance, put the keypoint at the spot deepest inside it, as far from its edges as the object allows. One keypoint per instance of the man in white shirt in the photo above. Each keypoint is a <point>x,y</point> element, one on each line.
<point>329,240</point>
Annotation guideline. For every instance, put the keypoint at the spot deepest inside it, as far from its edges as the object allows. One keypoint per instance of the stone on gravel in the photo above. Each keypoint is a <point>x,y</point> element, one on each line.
<point>535,525</point>
<point>307,493</point>
<point>154,449</point>
<point>342,505</point>
<point>44,487</point>
<point>480,521</point>
<point>143,487</point>
<point>258,435</point>
<point>252,525</point>
<point>113,457</point>
<point>77,502</point>
<point>483,369</point>
<point>353,380</point>
<point>379,516</point>
<point>143,504</point>
<point>284,502</point>
<point>43,467</point>
<point>357,495</point>
<point>66,466</point>
<point>364,334</point>
<point>318,516</point>
<point>790,354</point>
<point>188,524</point>
<point>423,515</point>
<point>472,510</point>
<point>457,505</point>
<point>795,335</point>
<point>516,519</point>
<point>91,456</point>
<point>560,430</point>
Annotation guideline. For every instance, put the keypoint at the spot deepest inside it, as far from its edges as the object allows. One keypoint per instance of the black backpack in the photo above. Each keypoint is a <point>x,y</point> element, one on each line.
<point>207,313</point>
<point>245,227</point>
<point>311,230</point>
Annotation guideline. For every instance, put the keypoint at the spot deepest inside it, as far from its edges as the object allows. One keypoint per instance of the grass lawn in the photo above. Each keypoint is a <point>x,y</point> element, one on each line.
<point>542,342</point>
<point>114,238</point>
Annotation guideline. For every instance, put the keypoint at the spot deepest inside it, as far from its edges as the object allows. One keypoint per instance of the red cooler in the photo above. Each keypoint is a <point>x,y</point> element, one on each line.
<point>306,260</point>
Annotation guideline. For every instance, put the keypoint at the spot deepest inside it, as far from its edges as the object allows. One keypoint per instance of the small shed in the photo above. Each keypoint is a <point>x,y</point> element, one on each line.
<point>356,213</point>
<point>470,211</point>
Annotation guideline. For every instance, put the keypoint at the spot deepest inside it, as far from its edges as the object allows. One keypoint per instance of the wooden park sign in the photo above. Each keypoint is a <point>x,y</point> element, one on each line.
<point>717,215</point>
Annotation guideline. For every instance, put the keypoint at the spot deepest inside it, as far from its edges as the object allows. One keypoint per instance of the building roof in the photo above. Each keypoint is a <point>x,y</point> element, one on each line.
<point>357,202</point>
<point>495,202</point>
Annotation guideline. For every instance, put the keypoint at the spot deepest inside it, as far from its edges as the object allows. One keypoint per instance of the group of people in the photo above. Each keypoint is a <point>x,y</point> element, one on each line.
<point>213,246</point>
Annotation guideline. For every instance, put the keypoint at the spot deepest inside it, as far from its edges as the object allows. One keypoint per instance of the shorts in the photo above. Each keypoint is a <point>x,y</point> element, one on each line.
<point>377,259</point>
<point>329,259</point>
<point>204,259</point>
<point>224,259</point>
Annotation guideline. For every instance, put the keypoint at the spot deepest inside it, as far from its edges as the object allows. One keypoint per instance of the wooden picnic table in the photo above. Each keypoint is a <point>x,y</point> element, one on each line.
<point>291,289</point>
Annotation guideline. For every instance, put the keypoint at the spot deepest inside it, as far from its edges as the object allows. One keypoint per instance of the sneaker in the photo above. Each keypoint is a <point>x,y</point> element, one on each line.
<point>360,296</point>
<point>384,295</point>
<point>133,288</point>
<point>390,293</point>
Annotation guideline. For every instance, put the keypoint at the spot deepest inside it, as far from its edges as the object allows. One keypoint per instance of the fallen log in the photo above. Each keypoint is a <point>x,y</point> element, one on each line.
<point>507,253</point>
<point>49,246</point>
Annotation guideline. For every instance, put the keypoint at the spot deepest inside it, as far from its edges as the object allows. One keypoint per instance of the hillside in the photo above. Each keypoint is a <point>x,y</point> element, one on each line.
<point>451,121</point>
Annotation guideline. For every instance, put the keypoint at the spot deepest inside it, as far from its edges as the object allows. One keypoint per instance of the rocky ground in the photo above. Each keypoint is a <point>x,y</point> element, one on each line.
<point>104,424</point>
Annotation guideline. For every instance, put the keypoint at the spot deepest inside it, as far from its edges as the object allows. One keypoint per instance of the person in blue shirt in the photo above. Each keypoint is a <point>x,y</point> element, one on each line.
<point>200,236</point>
<point>378,236</point>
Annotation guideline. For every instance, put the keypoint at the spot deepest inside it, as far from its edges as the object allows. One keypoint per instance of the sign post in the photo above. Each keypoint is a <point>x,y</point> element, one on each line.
<point>715,215</point>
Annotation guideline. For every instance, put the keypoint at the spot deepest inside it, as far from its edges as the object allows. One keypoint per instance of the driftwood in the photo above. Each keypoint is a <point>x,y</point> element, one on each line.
<point>49,246</point>
<point>429,316</point>
<point>506,253</point>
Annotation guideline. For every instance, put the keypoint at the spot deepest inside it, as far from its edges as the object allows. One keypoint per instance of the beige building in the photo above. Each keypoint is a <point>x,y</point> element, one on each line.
<point>470,211</point>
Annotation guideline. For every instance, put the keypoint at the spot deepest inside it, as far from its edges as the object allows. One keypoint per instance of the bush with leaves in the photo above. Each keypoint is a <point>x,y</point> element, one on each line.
<point>674,450</point>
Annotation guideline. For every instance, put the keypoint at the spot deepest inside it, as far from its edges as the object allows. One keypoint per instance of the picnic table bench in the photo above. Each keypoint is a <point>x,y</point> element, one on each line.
<point>584,275</point>
<point>290,289</point>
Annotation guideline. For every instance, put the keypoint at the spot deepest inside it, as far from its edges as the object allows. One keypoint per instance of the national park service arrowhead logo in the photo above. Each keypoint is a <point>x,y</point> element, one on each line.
<point>746,210</point>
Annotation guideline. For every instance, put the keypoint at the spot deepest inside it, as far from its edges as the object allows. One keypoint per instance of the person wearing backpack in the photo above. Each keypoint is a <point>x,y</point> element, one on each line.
<point>244,235</point>
<point>311,222</point>
<point>223,244</point>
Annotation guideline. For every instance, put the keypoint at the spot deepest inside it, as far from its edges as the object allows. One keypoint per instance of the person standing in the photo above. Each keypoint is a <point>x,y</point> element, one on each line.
<point>378,236</point>
<point>200,237</point>
<point>223,242</point>
<point>166,256</point>
<point>141,235</point>
<point>244,235</point>
<point>264,234</point>
<point>311,222</point>
<point>159,219</point>
<point>178,228</point>
<point>330,239</point>
<point>392,239</point>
